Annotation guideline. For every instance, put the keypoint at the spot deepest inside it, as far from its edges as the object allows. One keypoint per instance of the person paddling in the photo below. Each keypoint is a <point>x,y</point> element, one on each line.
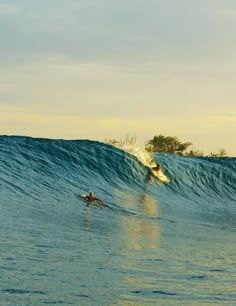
<point>92,198</point>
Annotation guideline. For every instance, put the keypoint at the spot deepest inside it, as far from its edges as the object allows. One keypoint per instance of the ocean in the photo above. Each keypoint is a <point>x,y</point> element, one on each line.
<point>155,244</point>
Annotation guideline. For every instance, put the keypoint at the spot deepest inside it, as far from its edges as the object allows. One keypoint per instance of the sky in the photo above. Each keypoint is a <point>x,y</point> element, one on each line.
<point>96,69</point>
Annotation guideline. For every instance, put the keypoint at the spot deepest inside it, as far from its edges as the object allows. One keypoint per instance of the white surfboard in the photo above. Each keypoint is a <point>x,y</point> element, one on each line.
<point>161,176</point>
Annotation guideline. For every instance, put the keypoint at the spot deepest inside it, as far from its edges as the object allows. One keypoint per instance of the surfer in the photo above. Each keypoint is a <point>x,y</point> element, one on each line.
<point>153,172</point>
<point>156,169</point>
<point>92,198</point>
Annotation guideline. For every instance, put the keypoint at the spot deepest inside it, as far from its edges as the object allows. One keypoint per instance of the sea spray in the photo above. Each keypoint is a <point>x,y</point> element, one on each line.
<point>130,146</point>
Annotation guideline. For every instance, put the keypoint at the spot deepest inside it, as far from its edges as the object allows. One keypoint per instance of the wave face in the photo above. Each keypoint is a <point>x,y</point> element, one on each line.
<point>154,241</point>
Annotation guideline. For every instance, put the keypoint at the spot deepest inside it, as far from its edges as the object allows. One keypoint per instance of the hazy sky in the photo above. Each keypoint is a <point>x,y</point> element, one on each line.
<point>101,69</point>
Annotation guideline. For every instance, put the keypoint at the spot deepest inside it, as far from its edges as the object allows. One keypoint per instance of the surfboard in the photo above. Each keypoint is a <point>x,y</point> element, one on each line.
<point>161,176</point>
<point>83,196</point>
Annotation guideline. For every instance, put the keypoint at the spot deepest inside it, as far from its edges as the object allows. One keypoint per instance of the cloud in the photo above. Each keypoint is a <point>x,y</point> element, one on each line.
<point>117,31</point>
<point>56,85</point>
<point>128,65</point>
<point>207,133</point>
<point>9,9</point>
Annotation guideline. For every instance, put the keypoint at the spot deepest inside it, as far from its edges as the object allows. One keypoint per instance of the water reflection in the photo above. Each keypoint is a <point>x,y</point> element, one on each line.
<point>150,205</point>
<point>138,244</point>
<point>140,232</point>
<point>87,218</point>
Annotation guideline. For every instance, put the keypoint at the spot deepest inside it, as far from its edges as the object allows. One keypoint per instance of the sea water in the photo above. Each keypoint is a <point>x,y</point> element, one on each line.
<point>156,243</point>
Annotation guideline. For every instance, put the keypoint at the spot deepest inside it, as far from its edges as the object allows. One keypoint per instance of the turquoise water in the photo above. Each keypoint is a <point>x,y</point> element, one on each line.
<point>167,244</point>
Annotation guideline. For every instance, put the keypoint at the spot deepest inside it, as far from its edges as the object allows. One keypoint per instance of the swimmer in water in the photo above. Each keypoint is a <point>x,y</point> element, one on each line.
<point>92,198</point>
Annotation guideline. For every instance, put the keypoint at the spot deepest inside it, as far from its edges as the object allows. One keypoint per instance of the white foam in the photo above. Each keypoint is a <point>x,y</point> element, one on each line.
<point>143,156</point>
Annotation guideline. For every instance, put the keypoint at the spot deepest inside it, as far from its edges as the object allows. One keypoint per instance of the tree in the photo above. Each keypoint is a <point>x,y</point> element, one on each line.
<point>197,153</point>
<point>167,144</point>
<point>220,153</point>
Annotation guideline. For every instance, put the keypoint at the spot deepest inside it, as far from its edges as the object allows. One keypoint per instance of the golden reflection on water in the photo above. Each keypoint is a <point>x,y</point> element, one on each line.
<point>139,242</point>
<point>140,233</point>
<point>150,205</point>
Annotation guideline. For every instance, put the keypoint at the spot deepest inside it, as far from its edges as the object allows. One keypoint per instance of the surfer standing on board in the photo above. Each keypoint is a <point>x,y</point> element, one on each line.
<point>157,168</point>
<point>153,172</point>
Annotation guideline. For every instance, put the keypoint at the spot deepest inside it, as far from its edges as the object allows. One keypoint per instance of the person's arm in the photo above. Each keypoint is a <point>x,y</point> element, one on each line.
<point>99,200</point>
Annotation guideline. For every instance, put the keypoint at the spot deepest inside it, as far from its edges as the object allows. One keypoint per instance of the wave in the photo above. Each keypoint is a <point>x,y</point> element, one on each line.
<point>154,241</point>
<point>39,170</point>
